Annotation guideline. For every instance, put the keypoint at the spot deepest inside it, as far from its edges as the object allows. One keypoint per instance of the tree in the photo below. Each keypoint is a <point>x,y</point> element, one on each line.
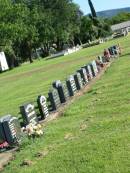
<point>93,12</point>
<point>12,28</point>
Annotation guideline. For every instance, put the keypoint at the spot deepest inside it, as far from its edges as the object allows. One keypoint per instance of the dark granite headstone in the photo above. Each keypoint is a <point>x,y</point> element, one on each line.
<point>100,58</point>
<point>115,49</point>
<point>10,130</point>
<point>89,71</point>
<point>111,51</point>
<point>42,105</point>
<point>83,74</point>
<point>94,68</point>
<point>78,81</point>
<point>62,90</point>
<point>29,114</point>
<point>70,82</point>
<point>54,99</point>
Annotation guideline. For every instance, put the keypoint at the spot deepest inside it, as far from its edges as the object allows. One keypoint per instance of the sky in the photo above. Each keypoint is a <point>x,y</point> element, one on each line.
<point>102,4</point>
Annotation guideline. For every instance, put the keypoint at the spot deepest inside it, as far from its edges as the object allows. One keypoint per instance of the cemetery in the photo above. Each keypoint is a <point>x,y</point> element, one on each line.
<point>64,86</point>
<point>59,94</point>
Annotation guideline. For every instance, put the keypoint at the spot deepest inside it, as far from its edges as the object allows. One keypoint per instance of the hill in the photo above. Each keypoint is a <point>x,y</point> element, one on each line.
<point>113,12</point>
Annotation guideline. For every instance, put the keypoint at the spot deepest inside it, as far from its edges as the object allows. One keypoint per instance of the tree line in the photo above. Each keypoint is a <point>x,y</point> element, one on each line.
<point>121,17</point>
<point>26,25</point>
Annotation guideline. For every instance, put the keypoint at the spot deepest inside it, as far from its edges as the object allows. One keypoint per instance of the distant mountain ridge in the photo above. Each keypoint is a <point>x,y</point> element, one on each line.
<point>113,12</point>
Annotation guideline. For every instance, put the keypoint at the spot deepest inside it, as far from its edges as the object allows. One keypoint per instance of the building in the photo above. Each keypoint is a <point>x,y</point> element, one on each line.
<point>3,62</point>
<point>123,27</point>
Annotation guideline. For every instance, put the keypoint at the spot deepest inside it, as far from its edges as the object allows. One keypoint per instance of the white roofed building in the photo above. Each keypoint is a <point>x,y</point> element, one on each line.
<point>121,27</point>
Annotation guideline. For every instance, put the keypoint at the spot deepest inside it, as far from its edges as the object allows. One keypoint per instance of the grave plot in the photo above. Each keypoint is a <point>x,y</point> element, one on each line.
<point>29,114</point>
<point>62,90</point>
<point>10,130</point>
<point>54,99</point>
<point>94,68</point>
<point>42,105</point>
<point>78,81</point>
<point>84,76</point>
<point>70,82</point>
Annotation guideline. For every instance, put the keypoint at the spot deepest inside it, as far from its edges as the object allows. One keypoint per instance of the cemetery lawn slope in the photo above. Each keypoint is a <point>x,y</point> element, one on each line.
<point>24,84</point>
<point>92,136</point>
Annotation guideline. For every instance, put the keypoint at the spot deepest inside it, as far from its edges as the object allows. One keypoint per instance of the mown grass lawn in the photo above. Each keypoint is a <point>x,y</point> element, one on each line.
<point>24,84</point>
<point>93,135</point>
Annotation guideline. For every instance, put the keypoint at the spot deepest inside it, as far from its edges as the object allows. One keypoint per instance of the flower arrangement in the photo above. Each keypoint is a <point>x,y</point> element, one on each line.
<point>33,130</point>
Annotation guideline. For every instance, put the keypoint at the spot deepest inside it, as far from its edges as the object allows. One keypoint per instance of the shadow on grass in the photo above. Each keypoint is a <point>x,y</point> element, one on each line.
<point>127,54</point>
<point>50,58</point>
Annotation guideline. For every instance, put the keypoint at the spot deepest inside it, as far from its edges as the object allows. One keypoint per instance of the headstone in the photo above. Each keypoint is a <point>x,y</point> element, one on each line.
<point>54,99</point>
<point>111,51</point>
<point>78,81</point>
<point>62,90</point>
<point>94,68</point>
<point>70,82</point>
<point>89,71</point>
<point>10,130</point>
<point>29,114</point>
<point>42,105</point>
<point>115,49</point>
<point>100,58</point>
<point>83,74</point>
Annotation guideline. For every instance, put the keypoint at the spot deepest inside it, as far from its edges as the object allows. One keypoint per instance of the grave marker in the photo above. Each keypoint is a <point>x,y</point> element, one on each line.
<point>53,98</point>
<point>10,130</point>
<point>42,105</point>
<point>111,51</point>
<point>84,76</point>
<point>94,68</point>
<point>89,71</point>
<point>70,82</point>
<point>78,81</point>
<point>29,114</point>
<point>100,58</point>
<point>62,90</point>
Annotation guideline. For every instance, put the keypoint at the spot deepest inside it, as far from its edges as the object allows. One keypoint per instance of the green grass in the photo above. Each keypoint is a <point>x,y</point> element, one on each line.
<point>103,146</point>
<point>24,84</point>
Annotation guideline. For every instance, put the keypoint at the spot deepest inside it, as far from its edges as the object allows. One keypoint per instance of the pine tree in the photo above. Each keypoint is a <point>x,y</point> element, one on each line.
<point>93,12</point>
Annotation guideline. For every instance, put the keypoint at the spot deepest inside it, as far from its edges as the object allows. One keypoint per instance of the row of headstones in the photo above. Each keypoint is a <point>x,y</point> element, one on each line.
<point>10,129</point>
<point>59,93</point>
